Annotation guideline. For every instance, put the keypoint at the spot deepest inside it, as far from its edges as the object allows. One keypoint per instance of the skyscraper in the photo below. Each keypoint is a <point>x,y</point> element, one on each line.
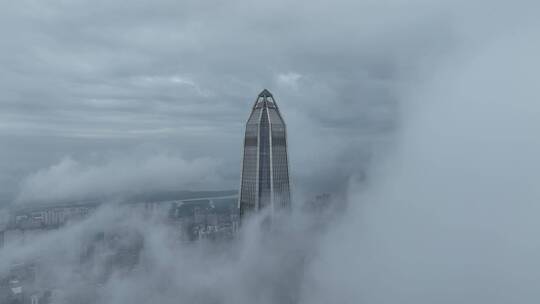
<point>265,164</point>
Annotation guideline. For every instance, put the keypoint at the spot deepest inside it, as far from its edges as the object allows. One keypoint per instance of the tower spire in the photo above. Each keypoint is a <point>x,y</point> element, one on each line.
<point>265,99</point>
<point>265,93</point>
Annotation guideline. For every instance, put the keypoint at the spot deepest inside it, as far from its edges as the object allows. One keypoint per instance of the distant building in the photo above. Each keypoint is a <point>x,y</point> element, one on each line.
<point>265,163</point>
<point>206,219</point>
<point>17,286</point>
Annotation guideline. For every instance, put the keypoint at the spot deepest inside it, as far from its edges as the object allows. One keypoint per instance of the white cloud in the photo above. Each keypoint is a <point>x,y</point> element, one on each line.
<point>452,217</point>
<point>290,79</point>
<point>71,179</point>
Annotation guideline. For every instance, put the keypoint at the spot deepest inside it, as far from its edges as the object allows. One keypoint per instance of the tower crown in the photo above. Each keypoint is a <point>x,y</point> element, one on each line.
<point>265,93</point>
<point>265,99</point>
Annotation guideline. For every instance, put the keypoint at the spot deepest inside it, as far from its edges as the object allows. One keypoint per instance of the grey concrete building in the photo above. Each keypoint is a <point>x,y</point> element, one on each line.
<point>265,164</point>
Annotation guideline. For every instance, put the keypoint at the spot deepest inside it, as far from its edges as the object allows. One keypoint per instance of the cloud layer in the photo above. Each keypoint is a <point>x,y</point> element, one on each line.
<point>71,180</point>
<point>450,218</point>
<point>91,77</point>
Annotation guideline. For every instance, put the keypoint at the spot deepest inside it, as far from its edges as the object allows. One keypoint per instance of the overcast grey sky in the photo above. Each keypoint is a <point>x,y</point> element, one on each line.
<point>92,81</point>
<point>87,83</point>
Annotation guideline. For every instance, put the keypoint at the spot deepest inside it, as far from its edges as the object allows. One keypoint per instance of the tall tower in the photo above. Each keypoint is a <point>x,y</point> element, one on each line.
<point>265,164</point>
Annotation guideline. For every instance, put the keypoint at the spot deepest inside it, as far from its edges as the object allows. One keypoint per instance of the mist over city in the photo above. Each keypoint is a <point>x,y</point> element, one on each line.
<point>269,152</point>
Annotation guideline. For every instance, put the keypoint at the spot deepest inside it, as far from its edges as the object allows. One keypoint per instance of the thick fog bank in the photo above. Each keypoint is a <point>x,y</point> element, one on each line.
<point>259,266</point>
<point>452,217</point>
<point>127,174</point>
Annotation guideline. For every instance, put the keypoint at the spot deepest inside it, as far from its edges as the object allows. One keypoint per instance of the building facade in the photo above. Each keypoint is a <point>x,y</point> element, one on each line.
<point>265,164</point>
